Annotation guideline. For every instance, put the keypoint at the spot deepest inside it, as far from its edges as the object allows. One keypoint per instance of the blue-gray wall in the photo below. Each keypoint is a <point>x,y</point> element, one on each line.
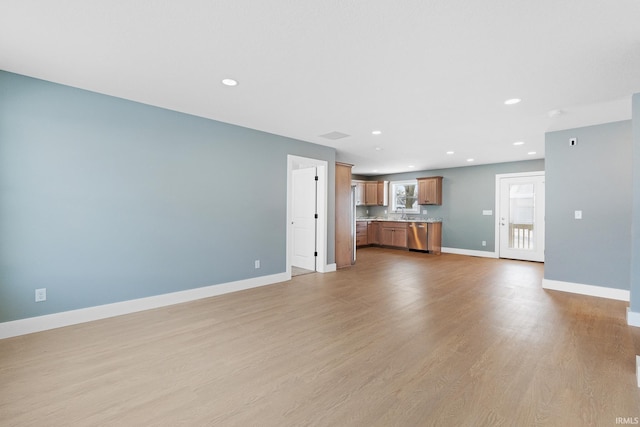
<point>635,236</point>
<point>594,176</point>
<point>105,200</point>
<point>466,192</point>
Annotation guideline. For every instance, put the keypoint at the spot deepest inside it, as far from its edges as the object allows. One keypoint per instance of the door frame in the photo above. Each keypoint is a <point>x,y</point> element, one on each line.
<point>322,167</point>
<point>497,202</point>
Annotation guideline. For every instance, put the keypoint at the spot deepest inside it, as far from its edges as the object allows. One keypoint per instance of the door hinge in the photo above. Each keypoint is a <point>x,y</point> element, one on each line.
<point>315,254</point>
<point>315,216</point>
<point>316,177</point>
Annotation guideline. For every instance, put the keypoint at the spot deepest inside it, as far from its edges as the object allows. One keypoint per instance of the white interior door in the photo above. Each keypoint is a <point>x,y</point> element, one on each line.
<point>303,219</point>
<point>521,217</point>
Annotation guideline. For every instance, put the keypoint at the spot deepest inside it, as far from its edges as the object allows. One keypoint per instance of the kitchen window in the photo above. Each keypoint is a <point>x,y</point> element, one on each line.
<point>404,196</point>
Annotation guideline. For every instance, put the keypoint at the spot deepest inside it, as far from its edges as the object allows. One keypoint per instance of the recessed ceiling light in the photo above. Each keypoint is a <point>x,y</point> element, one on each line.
<point>518,143</point>
<point>411,166</point>
<point>470,160</point>
<point>512,101</point>
<point>450,152</point>
<point>378,149</point>
<point>375,170</point>
<point>229,82</point>
<point>376,132</point>
<point>531,153</point>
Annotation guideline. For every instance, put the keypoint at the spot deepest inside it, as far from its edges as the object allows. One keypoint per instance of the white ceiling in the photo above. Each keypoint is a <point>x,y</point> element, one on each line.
<point>432,75</point>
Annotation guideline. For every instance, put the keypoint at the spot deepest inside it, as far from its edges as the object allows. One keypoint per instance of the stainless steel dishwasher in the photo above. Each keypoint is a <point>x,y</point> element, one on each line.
<point>417,238</point>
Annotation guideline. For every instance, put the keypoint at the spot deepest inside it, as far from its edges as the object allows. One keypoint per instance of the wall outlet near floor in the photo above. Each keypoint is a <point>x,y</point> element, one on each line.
<point>256,263</point>
<point>41,294</point>
<point>484,243</point>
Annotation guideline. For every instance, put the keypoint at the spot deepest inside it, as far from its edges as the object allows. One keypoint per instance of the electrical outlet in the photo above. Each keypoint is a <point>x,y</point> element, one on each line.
<point>257,263</point>
<point>577,214</point>
<point>41,294</point>
<point>484,243</point>
<point>424,211</point>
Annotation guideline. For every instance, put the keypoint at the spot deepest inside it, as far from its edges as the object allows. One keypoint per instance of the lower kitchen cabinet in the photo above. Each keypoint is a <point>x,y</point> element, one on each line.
<point>396,234</point>
<point>362,233</point>
<point>393,234</point>
<point>373,233</point>
<point>434,238</point>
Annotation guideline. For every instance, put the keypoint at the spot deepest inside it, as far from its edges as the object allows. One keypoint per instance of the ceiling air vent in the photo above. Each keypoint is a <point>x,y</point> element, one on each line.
<point>334,135</point>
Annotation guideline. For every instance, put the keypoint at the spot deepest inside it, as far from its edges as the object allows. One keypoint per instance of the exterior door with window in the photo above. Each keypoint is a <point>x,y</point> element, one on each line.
<point>521,217</point>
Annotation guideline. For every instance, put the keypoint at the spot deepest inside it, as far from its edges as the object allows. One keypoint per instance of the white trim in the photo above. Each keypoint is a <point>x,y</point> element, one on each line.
<point>73,317</point>
<point>496,211</point>
<point>633,318</point>
<point>469,252</point>
<point>579,288</point>
<point>638,369</point>
<point>327,268</point>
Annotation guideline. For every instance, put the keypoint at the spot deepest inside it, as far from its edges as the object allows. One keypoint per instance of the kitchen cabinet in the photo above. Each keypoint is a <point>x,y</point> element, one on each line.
<point>373,233</point>
<point>383,193</point>
<point>430,190</point>
<point>344,217</point>
<point>362,233</point>
<point>360,193</point>
<point>371,193</point>
<point>393,234</point>
<point>434,237</point>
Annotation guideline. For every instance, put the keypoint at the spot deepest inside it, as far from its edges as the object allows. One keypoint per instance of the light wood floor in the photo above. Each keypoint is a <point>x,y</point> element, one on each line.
<point>401,339</point>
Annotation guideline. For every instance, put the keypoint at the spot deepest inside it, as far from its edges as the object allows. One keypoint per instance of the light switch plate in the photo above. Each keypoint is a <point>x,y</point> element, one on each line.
<point>487,212</point>
<point>578,214</point>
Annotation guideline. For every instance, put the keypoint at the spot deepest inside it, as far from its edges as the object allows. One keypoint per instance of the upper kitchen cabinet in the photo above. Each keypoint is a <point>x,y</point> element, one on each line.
<point>360,192</point>
<point>430,190</point>
<point>371,193</point>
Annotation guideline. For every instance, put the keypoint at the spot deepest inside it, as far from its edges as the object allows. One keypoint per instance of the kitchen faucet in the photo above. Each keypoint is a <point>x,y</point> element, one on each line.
<point>404,214</point>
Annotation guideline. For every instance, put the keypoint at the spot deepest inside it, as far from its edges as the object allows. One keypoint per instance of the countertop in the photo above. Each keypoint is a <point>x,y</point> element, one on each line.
<point>400,220</point>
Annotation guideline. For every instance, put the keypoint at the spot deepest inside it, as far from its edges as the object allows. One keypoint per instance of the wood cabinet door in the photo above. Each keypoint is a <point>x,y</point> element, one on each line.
<point>386,236</point>
<point>430,191</point>
<point>371,196</point>
<point>372,233</point>
<point>400,237</point>
<point>380,193</point>
<point>434,237</point>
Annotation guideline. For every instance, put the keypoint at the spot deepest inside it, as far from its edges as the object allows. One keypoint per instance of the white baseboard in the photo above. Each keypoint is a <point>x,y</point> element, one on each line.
<point>633,318</point>
<point>73,317</point>
<point>469,252</point>
<point>327,268</point>
<point>638,369</point>
<point>594,291</point>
